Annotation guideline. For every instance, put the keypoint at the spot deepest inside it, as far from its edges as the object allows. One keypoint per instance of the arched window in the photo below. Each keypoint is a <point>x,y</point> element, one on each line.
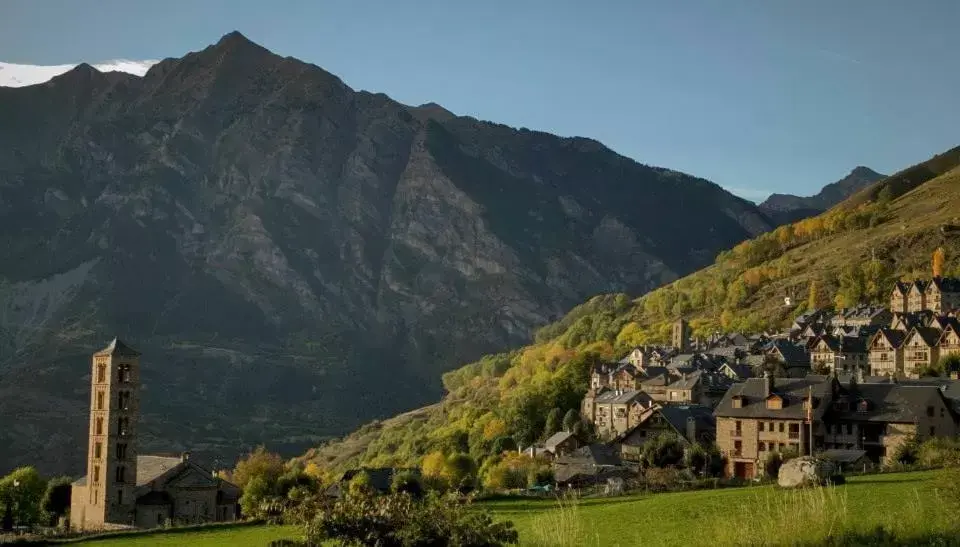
<point>121,475</point>
<point>101,373</point>
<point>98,426</point>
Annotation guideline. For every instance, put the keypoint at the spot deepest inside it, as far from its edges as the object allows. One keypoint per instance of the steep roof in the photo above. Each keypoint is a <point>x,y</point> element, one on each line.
<point>890,402</point>
<point>556,439</point>
<point>149,467</point>
<point>793,391</point>
<point>946,284</point>
<point>844,344</point>
<point>929,336</point>
<point>894,337</point>
<point>618,396</point>
<point>677,416</point>
<point>792,353</point>
<point>117,347</point>
<point>592,455</point>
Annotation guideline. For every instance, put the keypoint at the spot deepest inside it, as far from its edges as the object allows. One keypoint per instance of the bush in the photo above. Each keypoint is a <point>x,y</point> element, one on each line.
<point>907,453</point>
<point>662,451</point>
<point>939,452</point>
<point>407,482</point>
<point>399,520</point>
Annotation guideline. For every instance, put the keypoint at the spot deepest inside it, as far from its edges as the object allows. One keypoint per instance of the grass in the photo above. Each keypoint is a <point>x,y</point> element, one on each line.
<point>759,515</point>
<point>907,503</point>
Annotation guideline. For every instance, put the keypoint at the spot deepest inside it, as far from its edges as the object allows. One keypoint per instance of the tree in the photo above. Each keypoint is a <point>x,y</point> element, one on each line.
<point>554,422</point>
<point>407,482</point>
<point>360,484</point>
<point>259,463</point>
<point>56,499</point>
<point>570,420</point>
<point>939,257</point>
<point>20,495</point>
<point>813,298</point>
<point>503,444</point>
<point>461,472</point>
<point>433,467</point>
<point>663,450</point>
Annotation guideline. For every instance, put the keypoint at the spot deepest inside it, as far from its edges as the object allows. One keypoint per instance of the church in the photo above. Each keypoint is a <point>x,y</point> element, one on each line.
<point>126,489</point>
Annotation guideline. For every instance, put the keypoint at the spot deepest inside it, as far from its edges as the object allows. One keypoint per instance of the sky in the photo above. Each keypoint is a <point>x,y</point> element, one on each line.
<point>759,96</point>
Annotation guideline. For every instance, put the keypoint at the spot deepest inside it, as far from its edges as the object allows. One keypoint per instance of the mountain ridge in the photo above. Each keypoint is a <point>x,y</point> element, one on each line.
<point>785,208</point>
<point>294,257</point>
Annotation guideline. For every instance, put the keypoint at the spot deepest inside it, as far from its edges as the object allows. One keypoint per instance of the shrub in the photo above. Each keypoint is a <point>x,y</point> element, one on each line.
<point>662,451</point>
<point>399,520</point>
<point>939,452</point>
<point>407,482</point>
<point>907,453</point>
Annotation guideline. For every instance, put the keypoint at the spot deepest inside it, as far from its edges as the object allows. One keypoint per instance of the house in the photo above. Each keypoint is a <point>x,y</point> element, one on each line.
<point>885,356</point>
<point>879,417</point>
<point>737,371</point>
<point>600,374</point>
<point>845,354</point>
<point>589,464</point>
<point>942,294</point>
<point>920,350</point>
<point>917,296</point>
<point>126,489</point>
<point>792,357</point>
<point>613,411</point>
<point>862,316</point>
<point>763,415</point>
<point>949,341</point>
<point>906,321</point>
<point>691,423</point>
<point>898,297</point>
<point>561,443</point>
<point>686,389</point>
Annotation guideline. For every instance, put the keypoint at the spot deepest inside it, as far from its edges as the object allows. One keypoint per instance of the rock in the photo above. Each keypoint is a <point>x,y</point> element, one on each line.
<point>805,471</point>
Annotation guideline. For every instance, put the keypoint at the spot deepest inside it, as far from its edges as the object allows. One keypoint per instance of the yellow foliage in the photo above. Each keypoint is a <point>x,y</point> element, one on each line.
<point>494,428</point>
<point>939,257</point>
<point>434,465</point>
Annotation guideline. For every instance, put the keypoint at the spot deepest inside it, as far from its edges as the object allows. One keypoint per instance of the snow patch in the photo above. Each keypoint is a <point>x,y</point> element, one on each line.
<point>14,75</point>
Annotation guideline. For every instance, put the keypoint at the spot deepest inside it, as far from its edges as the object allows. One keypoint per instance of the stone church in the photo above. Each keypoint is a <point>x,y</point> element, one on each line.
<point>124,488</point>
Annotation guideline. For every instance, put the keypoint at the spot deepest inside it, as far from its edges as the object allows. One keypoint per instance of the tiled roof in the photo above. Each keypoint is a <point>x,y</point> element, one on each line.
<point>150,467</point>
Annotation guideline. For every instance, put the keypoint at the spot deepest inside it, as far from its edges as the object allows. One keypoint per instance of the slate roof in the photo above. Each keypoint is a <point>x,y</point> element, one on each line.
<point>845,344</point>
<point>556,439</point>
<point>946,284</point>
<point>677,416</point>
<point>149,467</point>
<point>117,347</point>
<point>622,396</point>
<point>901,287</point>
<point>889,402</point>
<point>742,370</point>
<point>597,455</point>
<point>930,336</point>
<point>895,337</point>
<point>687,381</point>
<point>793,391</point>
<point>792,353</point>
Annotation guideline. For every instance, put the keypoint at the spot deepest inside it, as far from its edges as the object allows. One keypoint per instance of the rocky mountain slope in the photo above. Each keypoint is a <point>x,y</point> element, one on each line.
<point>854,251</point>
<point>294,257</point>
<point>785,208</point>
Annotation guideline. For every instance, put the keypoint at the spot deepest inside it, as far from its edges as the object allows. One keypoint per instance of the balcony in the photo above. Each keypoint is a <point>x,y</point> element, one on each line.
<point>793,435</point>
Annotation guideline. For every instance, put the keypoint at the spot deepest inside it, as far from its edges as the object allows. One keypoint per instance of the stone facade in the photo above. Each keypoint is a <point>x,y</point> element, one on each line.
<point>125,489</point>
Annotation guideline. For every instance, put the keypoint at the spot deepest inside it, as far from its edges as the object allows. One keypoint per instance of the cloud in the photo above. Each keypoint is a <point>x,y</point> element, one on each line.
<point>14,75</point>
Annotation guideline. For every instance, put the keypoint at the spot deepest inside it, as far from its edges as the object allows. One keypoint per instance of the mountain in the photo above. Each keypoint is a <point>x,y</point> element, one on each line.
<point>786,208</point>
<point>293,257</point>
<point>14,75</point>
<point>855,251</point>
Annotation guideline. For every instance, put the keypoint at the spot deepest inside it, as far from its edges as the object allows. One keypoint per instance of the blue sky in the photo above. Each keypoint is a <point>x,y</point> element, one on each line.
<point>757,95</point>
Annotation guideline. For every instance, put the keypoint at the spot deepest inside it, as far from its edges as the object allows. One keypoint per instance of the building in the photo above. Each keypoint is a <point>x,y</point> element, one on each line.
<point>920,350</point>
<point>949,342</point>
<point>764,415</point>
<point>614,411</point>
<point>898,298</point>
<point>681,335</point>
<point>942,294</point>
<point>879,417</point>
<point>561,443</point>
<point>794,358</point>
<point>124,488</point>
<point>690,423</point>
<point>862,316</point>
<point>885,357</point>
<point>847,354</point>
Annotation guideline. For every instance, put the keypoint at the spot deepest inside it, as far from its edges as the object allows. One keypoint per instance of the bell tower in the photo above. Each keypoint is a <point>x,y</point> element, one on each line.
<point>681,335</point>
<point>112,451</point>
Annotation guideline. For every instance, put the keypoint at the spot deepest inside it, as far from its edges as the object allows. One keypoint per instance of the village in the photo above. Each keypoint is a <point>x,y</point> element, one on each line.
<point>851,386</point>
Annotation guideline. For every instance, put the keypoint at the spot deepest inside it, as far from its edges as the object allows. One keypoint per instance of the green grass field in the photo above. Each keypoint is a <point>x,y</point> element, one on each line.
<point>907,502</point>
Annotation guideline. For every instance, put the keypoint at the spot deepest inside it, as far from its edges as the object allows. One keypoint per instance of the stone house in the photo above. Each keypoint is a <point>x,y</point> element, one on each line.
<point>920,350</point>
<point>886,353</point>
<point>123,488</point>
<point>847,354</point>
<point>613,411</point>
<point>589,464</point>
<point>600,375</point>
<point>691,423</point>
<point>879,417</point>
<point>561,443</point>
<point>942,294</point>
<point>793,357</point>
<point>764,415</point>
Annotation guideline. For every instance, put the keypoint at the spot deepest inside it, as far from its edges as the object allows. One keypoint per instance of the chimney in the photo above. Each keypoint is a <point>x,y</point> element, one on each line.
<point>767,383</point>
<point>184,456</point>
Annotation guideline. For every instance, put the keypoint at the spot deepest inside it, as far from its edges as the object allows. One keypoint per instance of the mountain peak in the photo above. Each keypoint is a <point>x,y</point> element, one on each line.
<point>863,171</point>
<point>235,41</point>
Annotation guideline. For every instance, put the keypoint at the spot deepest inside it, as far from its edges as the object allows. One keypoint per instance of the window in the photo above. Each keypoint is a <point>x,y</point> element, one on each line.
<point>96,474</point>
<point>737,448</point>
<point>769,447</point>
<point>120,496</point>
<point>760,426</point>
<point>781,427</point>
<point>123,400</point>
<point>121,451</point>
<point>99,400</point>
<point>849,429</point>
<point>123,374</point>
<point>738,428</point>
<point>760,447</point>
<point>122,425</point>
<point>101,373</point>
<point>930,411</point>
<point>121,474</point>
<point>780,447</point>
<point>794,431</point>
<point>98,426</point>
<point>933,431</point>
<point>97,450</point>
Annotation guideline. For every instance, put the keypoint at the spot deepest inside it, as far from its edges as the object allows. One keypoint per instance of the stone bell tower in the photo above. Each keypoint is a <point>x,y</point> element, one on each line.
<point>112,450</point>
<point>681,335</point>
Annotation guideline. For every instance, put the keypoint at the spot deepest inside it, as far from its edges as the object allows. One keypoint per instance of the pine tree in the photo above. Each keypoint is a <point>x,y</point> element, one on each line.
<point>939,257</point>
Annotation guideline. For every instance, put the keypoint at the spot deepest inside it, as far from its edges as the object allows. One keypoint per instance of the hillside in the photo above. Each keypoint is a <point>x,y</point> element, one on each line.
<point>853,251</point>
<point>786,208</point>
<point>294,257</point>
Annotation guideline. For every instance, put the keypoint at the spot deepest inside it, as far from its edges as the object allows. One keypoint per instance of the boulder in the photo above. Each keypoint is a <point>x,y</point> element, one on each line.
<point>805,471</point>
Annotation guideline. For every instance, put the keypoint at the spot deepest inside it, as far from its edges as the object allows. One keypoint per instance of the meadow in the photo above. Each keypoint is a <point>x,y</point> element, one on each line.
<point>908,504</point>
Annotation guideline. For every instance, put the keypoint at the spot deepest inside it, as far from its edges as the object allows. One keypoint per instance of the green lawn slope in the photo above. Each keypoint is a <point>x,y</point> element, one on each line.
<point>848,255</point>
